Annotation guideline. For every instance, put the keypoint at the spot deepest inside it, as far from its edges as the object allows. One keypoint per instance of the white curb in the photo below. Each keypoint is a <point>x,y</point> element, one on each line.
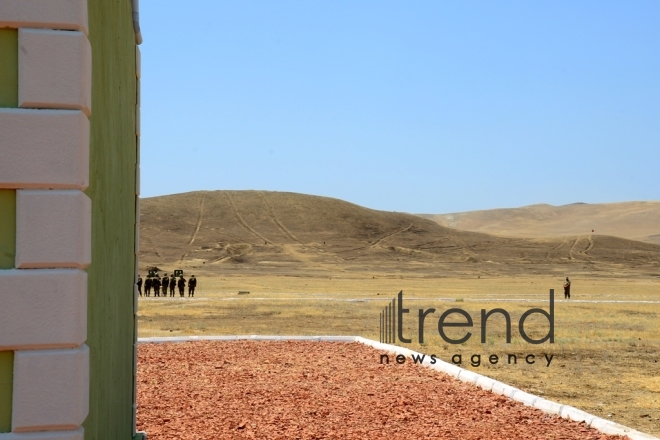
<point>548,406</point>
<point>492,385</point>
<point>174,339</point>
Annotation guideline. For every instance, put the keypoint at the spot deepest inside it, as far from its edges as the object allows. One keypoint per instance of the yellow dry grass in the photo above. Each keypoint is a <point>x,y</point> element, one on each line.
<point>631,220</point>
<point>318,266</point>
<point>606,354</point>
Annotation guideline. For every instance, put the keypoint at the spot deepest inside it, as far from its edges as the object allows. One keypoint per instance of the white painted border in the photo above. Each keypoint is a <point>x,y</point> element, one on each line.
<point>492,385</point>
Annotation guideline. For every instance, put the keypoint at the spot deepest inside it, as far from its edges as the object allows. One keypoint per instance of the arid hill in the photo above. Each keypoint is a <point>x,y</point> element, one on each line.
<point>631,220</point>
<point>286,232</point>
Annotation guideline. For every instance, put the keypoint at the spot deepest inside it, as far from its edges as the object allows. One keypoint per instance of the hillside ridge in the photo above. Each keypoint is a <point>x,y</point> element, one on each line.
<point>635,220</point>
<point>281,231</point>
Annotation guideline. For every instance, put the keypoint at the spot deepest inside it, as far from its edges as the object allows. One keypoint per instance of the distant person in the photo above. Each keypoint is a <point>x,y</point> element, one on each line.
<point>567,289</point>
<point>156,285</point>
<point>182,286</point>
<point>147,286</point>
<point>172,285</point>
<point>139,284</point>
<point>192,283</point>
<point>166,284</point>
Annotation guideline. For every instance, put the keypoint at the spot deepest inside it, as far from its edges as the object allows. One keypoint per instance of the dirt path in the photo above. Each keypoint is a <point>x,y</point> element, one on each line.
<point>242,221</point>
<point>200,214</point>
<point>277,220</point>
<point>591,244</point>
<point>463,247</point>
<point>556,249</point>
<point>574,249</point>
<point>377,242</point>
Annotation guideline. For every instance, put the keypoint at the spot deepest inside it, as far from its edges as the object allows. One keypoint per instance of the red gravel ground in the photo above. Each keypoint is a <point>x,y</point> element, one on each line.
<point>320,390</point>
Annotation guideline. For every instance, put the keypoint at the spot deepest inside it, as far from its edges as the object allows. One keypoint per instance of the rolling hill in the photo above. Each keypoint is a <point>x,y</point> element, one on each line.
<point>287,232</point>
<point>631,220</point>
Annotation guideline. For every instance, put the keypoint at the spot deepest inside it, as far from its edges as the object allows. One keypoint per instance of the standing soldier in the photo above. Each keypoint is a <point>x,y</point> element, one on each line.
<point>139,284</point>
<point>567,289</point>
<point>166,284</point>
<point>156,285</point>
<point>147,286</point>
<point>192,283</point>
<point>182,286</point>
<point>172,285</point>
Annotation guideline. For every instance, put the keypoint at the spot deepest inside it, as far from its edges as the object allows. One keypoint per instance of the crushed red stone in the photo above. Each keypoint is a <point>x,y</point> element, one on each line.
<point>320,390</point>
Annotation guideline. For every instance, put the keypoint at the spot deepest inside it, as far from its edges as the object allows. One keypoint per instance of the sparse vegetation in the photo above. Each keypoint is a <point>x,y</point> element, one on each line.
<point>598,350</point>
<point>606,355</point>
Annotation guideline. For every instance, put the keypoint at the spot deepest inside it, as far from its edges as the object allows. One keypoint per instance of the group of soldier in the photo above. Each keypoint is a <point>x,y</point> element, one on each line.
<point>161,285</point>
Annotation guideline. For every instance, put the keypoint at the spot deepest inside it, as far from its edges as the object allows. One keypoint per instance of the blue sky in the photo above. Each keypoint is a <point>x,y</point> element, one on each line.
<point>423,107</point>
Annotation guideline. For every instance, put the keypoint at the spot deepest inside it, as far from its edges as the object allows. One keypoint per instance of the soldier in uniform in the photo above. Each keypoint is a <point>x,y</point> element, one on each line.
<point>567,289</point>
<point>147,286</point>
<point>139,284</point>
<point>166,284</point>
<point>182,286</point>
<point>192,283</point>
<point>156,285</point>
<point>172,285</point>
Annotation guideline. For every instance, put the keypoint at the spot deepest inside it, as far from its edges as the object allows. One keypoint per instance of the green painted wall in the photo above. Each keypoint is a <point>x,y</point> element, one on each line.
<point>113,154</point>
<point>7,228</point>
<point>8,98</point>
<point>6,381</point>
<point>8,68</point>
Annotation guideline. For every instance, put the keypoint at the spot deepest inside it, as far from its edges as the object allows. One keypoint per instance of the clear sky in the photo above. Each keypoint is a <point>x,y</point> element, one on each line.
<point>416,106</point>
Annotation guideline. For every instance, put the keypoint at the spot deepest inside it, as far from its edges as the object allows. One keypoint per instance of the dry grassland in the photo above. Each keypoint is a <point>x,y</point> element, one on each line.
<point>606,355</point>
<point>632,220</point>
<point>321,266</point>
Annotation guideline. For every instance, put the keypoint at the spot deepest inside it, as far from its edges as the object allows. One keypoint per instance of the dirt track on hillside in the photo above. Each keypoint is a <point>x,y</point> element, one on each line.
<point>215,232</point>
